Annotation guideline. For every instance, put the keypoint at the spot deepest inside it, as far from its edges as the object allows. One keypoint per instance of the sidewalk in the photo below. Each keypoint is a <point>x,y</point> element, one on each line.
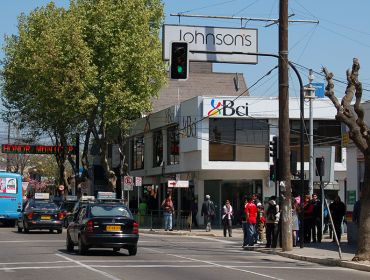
<point>325,253</point>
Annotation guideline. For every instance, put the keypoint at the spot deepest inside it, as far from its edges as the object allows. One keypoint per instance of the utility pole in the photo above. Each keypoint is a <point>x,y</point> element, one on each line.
<point>284,130</point>
<point>311,96</point>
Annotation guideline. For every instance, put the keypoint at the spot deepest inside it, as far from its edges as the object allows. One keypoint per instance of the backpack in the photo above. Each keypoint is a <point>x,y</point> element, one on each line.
<point>271,212</point>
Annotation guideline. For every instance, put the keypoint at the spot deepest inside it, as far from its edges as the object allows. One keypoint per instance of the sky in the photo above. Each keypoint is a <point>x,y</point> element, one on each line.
<point>340,35</point>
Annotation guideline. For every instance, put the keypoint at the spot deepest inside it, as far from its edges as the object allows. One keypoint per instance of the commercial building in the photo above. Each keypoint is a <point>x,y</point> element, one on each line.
<point>220,144</point>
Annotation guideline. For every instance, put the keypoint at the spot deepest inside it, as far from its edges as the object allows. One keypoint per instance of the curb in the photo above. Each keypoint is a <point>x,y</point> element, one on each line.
<point>331,262</point>
<point>161,232</point>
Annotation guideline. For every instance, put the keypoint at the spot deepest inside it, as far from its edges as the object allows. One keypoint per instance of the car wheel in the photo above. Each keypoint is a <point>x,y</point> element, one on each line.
<point>116,249</point>
<point>19,229</point>
<point>59,230</point>
<point>51,230</point>
<point>69,243</point>
<point>26,230</point>
<point>82,248</point>
<point>132,250</point>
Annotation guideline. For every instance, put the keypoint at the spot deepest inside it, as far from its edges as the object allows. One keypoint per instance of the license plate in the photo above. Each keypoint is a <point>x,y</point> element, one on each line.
<point>45,217</point>
<point>113,228</point>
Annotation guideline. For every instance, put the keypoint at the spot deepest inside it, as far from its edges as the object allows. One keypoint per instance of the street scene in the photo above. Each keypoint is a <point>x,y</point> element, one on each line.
<point>163,139</point>
<point>40,255</point>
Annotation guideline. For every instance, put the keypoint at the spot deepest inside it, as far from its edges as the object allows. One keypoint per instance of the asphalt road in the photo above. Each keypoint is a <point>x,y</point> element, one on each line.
<point>41,255</point>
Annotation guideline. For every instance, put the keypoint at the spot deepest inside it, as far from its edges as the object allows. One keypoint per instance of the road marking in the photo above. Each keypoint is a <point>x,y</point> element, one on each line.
<point>89,267</point>
<point>225,266</point>
<point>39,267</point>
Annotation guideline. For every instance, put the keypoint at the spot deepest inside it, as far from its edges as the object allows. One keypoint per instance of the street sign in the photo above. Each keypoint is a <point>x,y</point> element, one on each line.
<point>138,182</point>
<point>128,183</point>
<point>178,184</point>
<point>61,188</point>
<point>84,185</point>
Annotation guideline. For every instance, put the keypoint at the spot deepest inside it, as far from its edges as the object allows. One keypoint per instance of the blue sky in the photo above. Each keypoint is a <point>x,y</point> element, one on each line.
<point>341,35</point>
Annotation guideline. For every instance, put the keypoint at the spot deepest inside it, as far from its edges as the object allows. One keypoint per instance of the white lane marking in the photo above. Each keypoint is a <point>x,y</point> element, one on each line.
<point>30,241</point>
<point>40,267</point>
<point>153,250</point>
<point>214,239</point>
<point>89,267</point>
<point>34,262</point>
<point>225,266</point>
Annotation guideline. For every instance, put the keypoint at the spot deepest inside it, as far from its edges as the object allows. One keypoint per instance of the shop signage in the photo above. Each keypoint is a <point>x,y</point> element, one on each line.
<point>215,39</point>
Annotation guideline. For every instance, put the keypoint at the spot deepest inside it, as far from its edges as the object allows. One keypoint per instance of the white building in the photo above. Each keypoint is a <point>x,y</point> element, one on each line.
<point>221,145</point>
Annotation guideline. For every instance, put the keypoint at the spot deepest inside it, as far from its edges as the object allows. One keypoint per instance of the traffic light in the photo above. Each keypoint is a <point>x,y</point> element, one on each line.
<point>320,166</point>
<point>179,61</point>
<point>274,147</point>
<point>274,171</point>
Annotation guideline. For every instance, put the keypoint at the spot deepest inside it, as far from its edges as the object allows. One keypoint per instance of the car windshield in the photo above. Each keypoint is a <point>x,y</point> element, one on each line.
<point>42,206</point>
<point>109,210</point>
<point>68,206</point>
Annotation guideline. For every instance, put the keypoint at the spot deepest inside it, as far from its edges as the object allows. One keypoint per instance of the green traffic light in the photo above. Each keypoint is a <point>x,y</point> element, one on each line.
<point>180,69</point>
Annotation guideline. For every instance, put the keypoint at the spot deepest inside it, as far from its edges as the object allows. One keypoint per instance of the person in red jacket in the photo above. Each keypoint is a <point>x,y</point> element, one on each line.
<point>251,212</point>
<point>308,209</point>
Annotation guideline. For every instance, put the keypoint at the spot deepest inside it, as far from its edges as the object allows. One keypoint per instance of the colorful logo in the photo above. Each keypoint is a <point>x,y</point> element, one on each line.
<point>147,125</point>
<point>215,110</point>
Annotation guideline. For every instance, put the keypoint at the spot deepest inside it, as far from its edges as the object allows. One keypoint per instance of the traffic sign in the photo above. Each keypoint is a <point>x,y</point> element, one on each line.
<point>61,188</point>
<point>138,182</point>
<point>177,184</point>
<point>128,183</point>
<point>84,185</point>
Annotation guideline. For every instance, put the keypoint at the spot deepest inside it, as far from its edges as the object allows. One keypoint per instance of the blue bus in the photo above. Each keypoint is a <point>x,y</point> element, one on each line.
<point>11,196</point>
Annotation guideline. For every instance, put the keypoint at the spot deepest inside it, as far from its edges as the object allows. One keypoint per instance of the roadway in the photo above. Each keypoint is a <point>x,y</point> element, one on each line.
<point>41,255</point>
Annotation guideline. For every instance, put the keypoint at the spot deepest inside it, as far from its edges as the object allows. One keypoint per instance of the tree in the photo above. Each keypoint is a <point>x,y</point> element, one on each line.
<point>359,133</point>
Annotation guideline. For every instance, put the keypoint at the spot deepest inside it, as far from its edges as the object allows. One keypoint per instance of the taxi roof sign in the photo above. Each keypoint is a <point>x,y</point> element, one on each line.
<point>106,195</point>
<point>88,197</point>
<point>41,196</point>
<point>71,197</point>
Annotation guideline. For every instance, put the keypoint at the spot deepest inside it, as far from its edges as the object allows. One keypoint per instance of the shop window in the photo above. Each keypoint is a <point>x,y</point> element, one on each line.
<point>158,148</point>
<point>173,145</point>
<point>137,153</point>
<point>222,139</point>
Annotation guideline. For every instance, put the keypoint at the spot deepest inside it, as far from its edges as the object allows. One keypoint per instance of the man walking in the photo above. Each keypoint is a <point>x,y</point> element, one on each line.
<point>194,211</point>
<point>271,209</point>
<point>251,211</point>
<point>207,208</point>
<point>316,218</point>
<point>255,199</point>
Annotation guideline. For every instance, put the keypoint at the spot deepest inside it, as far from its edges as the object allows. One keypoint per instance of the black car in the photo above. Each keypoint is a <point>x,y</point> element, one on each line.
<point>103,225</point>
<point>40,215</point>
<point>66,207</point>
<point>68,217</point>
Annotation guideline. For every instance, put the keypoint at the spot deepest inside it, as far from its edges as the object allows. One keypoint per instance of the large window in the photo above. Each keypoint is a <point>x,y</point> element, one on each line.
<point>173,144</point>
<point>238,140</point>
<point>138,153</point>
<point>325,133</point>
<point>158,148</point>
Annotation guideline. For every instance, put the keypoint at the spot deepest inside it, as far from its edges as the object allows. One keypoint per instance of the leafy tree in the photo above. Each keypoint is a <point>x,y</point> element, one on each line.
<point>359,133</point>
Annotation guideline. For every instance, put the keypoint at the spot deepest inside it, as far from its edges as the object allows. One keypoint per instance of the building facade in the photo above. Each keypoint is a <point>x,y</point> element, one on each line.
<point>220,144</point>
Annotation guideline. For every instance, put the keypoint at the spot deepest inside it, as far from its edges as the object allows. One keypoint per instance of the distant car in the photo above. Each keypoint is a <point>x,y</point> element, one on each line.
<point>40,215</point>
<point>66,207</point>
<point>103,225</point>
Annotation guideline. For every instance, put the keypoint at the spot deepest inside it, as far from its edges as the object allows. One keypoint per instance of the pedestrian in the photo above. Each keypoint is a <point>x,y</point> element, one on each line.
<point>271,210</point>
<point>143,210</point>
<point>251,216</point>
<point>194,211</point>
<point>167,206</point>
<point>337,210</point>
<point>255,199</point>
<point>244,223</point>
<point>227,216</point>
<point>260,223</point>
<point>208,208</point>
<point>357,212</point>
<point>296,209</point>
<point>316,219</point>
<point>307,218</point>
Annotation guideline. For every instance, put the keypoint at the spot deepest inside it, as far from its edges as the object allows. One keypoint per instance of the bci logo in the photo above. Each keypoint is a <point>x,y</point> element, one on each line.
<point>189,127</point>
<point>170,116</point>
<point>228,108</point>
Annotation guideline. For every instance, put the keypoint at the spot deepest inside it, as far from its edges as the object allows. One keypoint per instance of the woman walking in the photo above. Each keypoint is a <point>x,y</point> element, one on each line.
<point>227,214</point>
<point>295,214</point>
<point>307,218</point>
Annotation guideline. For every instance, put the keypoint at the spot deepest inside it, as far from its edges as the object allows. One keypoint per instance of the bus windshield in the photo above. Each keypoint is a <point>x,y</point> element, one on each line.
<point>8,185</point>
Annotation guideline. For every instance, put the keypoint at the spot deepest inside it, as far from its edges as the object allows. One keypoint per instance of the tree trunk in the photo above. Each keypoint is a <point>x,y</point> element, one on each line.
<point>363,251</point>
<point>111,176</point>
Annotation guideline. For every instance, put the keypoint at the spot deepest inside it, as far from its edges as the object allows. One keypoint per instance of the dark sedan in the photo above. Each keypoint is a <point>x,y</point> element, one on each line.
<point>103,225</point>
<point>40,215</point>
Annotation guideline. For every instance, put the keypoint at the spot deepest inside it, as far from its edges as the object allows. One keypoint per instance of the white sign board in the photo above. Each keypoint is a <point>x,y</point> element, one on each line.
<point>178,184</point>
<point>191,125</point>
<point>138,181</point>
<point>128,182</point>
<point>215,39</point>
<point>328,153</point>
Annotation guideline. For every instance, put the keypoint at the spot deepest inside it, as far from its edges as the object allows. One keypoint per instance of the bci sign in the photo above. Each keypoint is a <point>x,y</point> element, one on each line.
<point>214,39</point>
